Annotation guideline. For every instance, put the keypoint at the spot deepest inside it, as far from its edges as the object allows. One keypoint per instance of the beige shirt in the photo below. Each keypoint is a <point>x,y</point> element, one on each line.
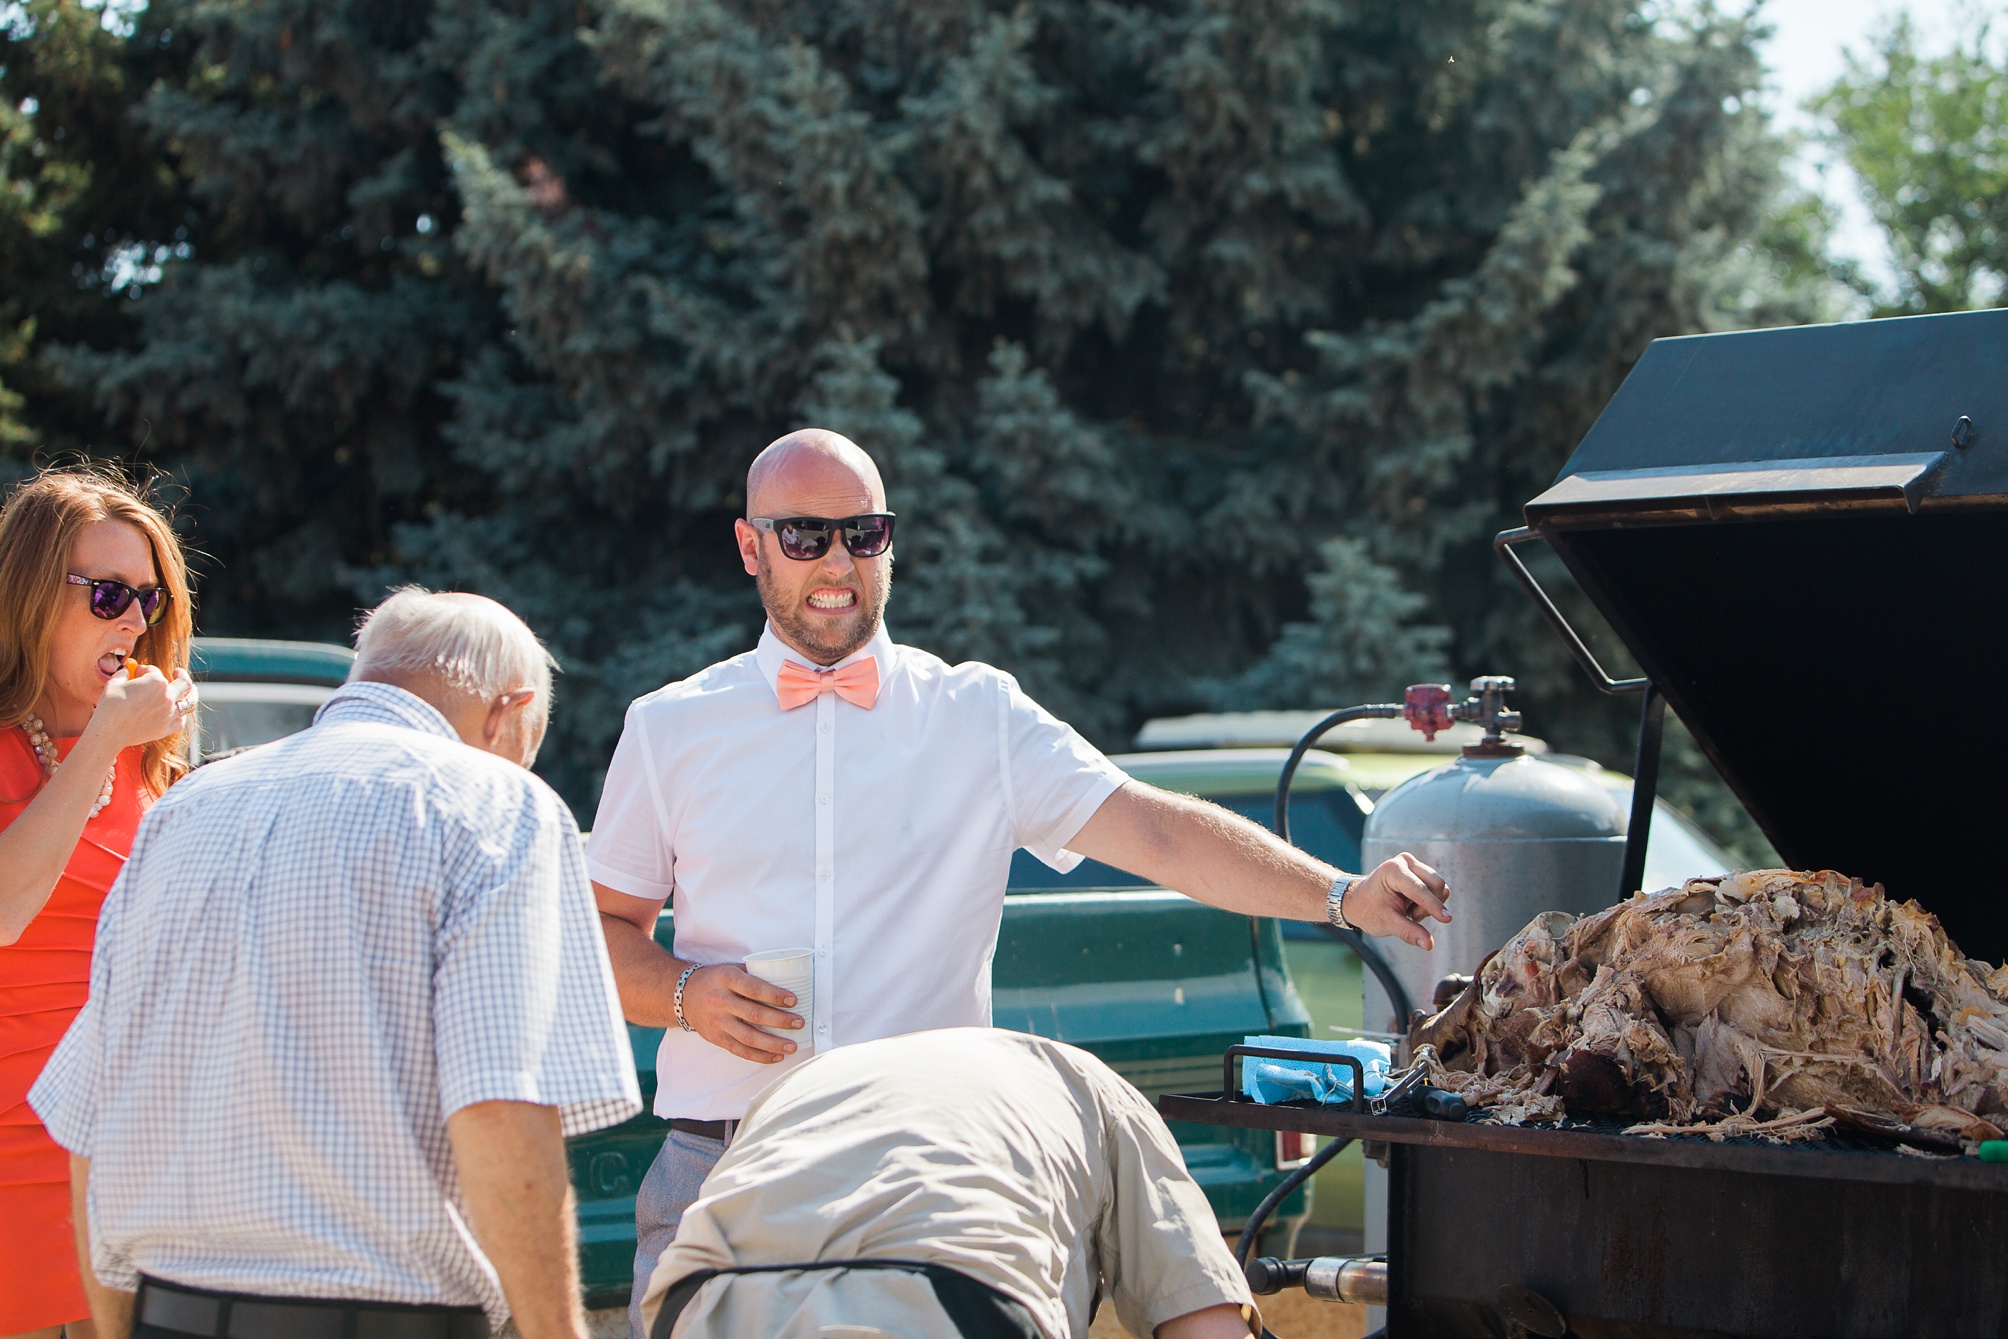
<point>1023,1163</point>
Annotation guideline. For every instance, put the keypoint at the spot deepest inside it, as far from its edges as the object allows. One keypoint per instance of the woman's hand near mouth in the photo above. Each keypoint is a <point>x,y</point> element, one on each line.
<point>130,712</point>
<point>138,710</point>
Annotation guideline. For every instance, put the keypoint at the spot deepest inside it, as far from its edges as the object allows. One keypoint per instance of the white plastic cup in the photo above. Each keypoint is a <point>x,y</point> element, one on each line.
<point>793,970</point>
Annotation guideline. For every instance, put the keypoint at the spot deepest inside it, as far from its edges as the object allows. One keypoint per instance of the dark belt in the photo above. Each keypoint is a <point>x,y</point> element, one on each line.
<point>719,1131</point>
<point>221,1315</point>
<point>977,1310</point>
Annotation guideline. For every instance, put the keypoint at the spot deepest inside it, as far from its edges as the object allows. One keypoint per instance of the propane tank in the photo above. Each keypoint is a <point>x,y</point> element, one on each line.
<point>1514,836</point>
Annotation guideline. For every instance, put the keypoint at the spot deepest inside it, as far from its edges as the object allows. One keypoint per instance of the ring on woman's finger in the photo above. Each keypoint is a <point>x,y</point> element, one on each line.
<point>185,704</point>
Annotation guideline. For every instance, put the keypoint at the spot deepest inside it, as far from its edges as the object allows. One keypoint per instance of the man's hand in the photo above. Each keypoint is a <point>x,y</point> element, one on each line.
<point>728,1005</point>
<point>513,1180</point>
<point>1393,900</point>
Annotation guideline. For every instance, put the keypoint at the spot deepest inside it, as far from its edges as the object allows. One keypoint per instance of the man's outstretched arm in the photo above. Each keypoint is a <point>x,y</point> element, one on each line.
<point>1219,857</point>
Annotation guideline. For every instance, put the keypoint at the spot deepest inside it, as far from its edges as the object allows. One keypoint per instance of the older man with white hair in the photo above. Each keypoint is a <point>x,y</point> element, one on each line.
<point>348,998</point>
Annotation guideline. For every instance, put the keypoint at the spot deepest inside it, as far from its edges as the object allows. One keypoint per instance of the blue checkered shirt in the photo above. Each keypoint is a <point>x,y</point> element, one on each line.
<point>318,951</point>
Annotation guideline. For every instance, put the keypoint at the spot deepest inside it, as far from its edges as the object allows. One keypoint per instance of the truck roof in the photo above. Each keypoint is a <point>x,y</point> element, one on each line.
<point>1282,729</point>
<point>1238,771</point>
<point>262,660</point>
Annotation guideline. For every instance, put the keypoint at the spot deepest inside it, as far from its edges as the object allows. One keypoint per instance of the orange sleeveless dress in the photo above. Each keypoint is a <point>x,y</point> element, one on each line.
<point>44,977</point>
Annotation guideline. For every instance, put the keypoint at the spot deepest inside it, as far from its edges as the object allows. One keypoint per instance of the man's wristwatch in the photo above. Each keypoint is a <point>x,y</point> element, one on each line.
<point>677,1000</point>
<point>1335,901</point>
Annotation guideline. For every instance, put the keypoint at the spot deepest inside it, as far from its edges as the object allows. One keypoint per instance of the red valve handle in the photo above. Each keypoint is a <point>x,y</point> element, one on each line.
<point>1426,707</point>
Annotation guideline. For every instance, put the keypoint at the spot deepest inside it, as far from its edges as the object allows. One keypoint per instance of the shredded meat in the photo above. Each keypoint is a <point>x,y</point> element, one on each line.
<point>1775,1003</point>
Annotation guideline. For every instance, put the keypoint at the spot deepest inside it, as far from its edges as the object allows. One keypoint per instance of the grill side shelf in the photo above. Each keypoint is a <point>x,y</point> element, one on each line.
<point>1821,1163</point>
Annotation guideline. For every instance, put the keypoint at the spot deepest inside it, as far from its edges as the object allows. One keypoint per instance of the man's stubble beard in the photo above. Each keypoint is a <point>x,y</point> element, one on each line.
<point>828,642</point>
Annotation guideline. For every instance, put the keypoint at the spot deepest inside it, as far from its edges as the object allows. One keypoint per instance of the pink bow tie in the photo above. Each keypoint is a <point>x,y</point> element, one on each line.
<point>856,683</point>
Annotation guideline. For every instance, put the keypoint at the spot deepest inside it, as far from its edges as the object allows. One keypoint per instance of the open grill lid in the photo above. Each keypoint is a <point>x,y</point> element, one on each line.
<point>1802,536</point>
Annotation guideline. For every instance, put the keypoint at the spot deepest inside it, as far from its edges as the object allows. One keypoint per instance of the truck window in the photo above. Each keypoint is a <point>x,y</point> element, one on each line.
<point>1327,823</point>
<point>238,715</point>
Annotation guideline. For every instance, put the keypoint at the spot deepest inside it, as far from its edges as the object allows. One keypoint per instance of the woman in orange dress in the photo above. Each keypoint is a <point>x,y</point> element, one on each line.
<point>90,575</point>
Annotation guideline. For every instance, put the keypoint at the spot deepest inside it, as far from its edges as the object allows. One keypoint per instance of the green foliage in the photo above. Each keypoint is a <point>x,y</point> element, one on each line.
<point>88,204</point>
<point>1360,640</point>
<point>1204,343</point>
<point>1928,137</point>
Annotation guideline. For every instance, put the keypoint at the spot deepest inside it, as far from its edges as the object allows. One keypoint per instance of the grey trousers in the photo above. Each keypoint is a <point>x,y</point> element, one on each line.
<point>669,1188</point>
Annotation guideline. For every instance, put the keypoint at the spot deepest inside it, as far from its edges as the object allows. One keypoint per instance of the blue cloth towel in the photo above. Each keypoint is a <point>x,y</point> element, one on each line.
<point>1294,1080</point>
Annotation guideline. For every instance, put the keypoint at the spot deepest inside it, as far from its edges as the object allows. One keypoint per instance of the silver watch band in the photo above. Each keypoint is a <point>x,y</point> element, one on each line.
<point>676,1001</point>
<point>1335,902</point>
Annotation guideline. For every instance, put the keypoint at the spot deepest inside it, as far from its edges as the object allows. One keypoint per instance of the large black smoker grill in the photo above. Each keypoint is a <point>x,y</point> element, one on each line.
<point>1802,537</point>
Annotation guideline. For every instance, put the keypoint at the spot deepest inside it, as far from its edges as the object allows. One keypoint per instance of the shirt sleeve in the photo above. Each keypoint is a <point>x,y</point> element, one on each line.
<point>65,1096</point>
<point>629,851</point>
<point>1055,778</point>
<point>1161,1250</point>
<point>524,1004</point>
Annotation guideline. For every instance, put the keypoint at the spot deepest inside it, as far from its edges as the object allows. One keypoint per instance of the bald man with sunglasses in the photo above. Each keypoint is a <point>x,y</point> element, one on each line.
<point>834,791</point>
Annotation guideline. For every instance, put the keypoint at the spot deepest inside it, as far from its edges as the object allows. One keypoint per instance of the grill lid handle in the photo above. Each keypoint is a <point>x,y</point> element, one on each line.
<point>1720,490</point>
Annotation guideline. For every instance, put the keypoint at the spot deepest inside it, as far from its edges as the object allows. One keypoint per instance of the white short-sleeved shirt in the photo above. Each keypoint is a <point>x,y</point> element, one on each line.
<point>318,951</point>
<point>881,839</point>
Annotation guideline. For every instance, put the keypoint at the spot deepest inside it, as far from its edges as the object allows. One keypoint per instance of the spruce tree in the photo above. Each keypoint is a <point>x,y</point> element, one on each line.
<point>1204,343</point>
<point>90,207</point>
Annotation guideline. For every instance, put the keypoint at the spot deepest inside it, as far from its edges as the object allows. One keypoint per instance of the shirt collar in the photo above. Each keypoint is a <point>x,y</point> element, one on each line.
<point>772,651</point>
<point>384,704</point>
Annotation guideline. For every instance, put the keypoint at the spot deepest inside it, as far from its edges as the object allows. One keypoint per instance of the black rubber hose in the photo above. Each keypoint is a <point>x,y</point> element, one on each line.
<point>1251,1231</point>
<point>1397,994</point>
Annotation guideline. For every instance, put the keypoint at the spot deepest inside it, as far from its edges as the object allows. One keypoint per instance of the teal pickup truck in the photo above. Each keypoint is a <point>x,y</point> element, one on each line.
<point>1152,982</point>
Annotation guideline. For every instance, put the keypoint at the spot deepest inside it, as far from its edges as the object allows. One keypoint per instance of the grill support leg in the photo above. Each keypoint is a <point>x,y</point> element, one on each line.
<point>1645,788</point>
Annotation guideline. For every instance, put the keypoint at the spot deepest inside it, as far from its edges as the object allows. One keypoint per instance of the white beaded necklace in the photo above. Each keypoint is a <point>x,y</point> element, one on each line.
<point>45,749</point>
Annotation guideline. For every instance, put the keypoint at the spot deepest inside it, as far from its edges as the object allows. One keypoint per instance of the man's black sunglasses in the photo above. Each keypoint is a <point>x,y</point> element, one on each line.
<point>807,538</point>
<point>110,598</point>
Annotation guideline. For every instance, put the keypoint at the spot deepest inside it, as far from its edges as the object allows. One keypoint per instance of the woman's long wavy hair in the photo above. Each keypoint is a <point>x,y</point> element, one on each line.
<point>38,529</point>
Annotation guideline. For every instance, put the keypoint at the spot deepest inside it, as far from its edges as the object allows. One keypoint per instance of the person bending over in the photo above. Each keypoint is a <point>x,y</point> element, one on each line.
<point>966,1183</point>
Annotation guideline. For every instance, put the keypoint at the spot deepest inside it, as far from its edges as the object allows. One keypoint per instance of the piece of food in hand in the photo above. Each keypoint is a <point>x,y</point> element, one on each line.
<point>133,668</point>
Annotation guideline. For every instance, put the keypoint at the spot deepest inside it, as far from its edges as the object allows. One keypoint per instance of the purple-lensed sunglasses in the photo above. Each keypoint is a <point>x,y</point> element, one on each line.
<point>111,598</point>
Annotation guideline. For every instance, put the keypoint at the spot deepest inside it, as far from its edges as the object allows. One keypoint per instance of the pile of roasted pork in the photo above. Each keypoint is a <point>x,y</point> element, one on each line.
<point>1773,1003</point>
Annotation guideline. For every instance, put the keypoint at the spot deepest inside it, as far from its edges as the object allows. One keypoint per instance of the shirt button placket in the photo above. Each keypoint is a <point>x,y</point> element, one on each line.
<point>826,780</point>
